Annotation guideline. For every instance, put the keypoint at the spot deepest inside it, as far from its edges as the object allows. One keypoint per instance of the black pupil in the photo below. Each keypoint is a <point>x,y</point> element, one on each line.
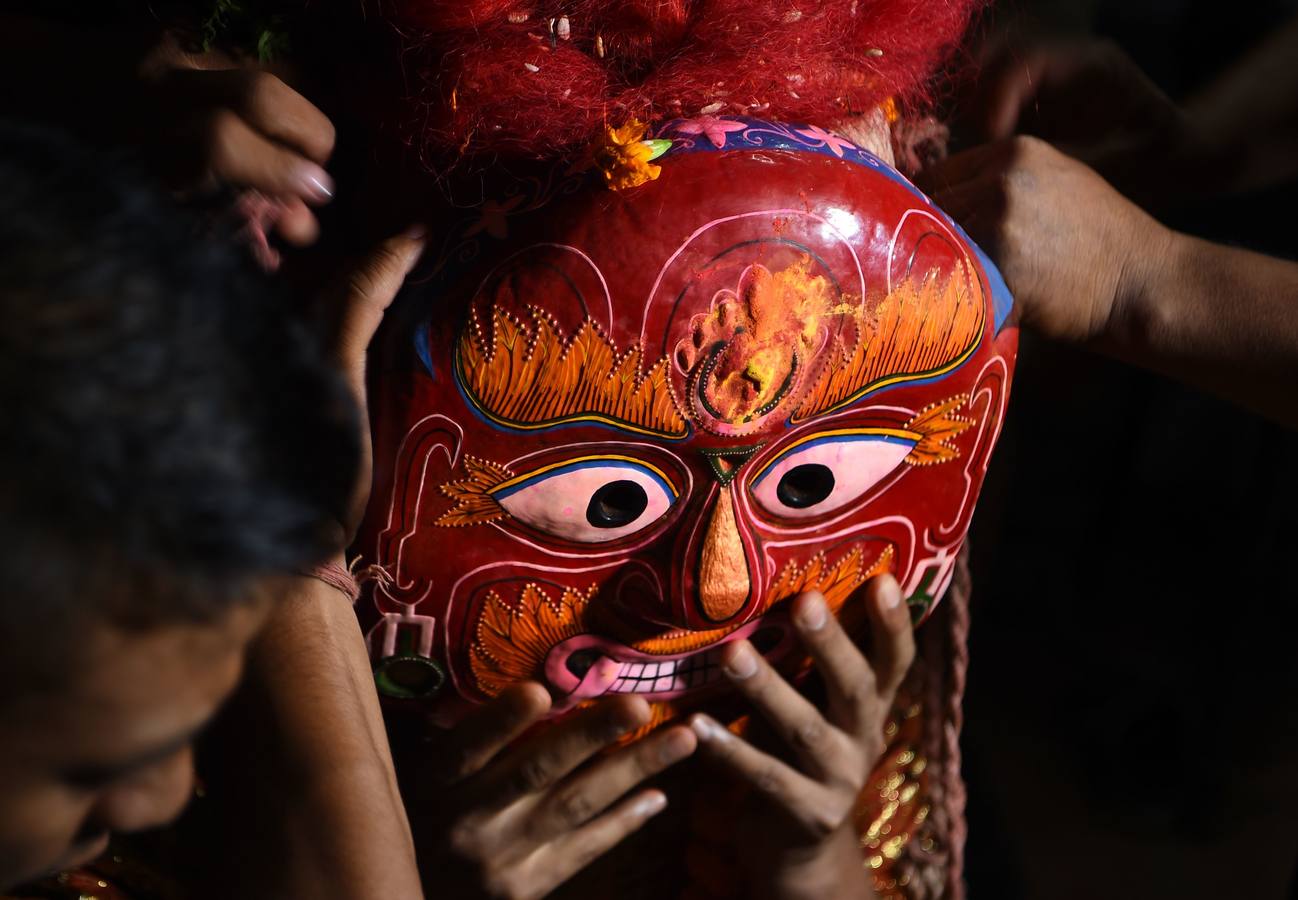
<point>616,504</point>
<point>805,485</point>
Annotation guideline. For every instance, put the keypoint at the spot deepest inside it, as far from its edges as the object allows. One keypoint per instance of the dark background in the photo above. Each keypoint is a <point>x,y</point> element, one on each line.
<point>1131,724</point>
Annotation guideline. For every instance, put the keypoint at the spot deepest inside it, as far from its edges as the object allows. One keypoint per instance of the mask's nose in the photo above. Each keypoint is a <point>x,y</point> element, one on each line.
<point>719,574</point>
<point>724,581</point>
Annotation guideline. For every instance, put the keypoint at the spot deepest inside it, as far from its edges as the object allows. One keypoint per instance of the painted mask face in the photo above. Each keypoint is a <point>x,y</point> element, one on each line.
<point>637,423</point>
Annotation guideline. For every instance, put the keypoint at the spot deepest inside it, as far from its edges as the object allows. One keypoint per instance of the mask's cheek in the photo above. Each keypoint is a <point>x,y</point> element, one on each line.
<point>514,615</point>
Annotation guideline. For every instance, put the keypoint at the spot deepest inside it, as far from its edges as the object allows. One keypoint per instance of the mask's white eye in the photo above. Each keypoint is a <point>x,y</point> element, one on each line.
<point>592,499</point>
<point>826,471</point>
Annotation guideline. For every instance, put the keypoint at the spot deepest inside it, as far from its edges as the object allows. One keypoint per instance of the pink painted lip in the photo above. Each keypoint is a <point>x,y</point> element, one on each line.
<point>589,666</point>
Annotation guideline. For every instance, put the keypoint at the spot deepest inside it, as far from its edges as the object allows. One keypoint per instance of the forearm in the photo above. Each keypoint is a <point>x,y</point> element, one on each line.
<point>343,824</point>
<point>1219,318</point>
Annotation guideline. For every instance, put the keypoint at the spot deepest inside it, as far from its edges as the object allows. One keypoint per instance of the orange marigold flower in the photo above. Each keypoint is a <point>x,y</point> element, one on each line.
<point>623,155</point>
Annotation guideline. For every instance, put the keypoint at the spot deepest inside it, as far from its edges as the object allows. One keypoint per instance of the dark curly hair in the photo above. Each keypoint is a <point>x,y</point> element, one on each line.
<point>169,437</point>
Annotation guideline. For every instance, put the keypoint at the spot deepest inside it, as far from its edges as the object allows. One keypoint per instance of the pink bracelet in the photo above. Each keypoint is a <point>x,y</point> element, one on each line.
<point>337,577</point>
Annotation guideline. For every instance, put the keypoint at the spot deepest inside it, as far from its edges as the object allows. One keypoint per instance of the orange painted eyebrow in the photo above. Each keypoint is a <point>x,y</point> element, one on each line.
<point>529,376</point>
<point>917,331</point>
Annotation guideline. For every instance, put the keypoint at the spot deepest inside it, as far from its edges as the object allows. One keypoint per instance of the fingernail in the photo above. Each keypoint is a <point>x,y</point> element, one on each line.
<point>316,182</point>
<point>415,232</point>
<point>618,727</point>
<point>812,613</point>
<point>706,729</point>
<point>742,663</point>
<point>651,804</point>
<point>889,592</point>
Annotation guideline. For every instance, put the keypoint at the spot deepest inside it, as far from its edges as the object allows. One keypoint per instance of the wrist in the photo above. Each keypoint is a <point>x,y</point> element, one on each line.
<point>832,870</point>
<point>1140,301</point>
<point>335,573</point>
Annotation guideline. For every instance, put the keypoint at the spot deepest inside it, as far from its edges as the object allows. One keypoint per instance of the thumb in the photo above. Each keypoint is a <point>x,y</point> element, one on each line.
<point>370,288</point>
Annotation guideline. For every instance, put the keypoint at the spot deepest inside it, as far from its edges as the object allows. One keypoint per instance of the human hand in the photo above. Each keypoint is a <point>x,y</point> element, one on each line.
<point>199,121</point>
<point>1074,252</point>
<point>516,820</point>
<point>208,122</point>
<point>1093,102</point>
<point>353,315</point>
<point>806,843</point>
<point>250,131</point>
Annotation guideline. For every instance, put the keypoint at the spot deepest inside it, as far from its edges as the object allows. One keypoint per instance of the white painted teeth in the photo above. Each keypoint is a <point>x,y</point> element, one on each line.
<point>669,675</point>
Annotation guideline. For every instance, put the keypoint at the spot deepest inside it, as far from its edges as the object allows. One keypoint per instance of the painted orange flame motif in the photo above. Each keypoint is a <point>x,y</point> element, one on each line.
<point>511,638</point>
<point>916,331</point>
<point>473,504</point>
<point>766,327</point>
<point>510,642</point>
<point>531,377</point>
<point>936,425</point>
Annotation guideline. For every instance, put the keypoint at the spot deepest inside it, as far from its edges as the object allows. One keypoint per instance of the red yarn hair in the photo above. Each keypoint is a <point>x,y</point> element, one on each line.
<point>528,78</point>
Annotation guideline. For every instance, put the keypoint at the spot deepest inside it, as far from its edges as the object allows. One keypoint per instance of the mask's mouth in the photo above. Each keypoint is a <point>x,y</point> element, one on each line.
<point>589,666</point>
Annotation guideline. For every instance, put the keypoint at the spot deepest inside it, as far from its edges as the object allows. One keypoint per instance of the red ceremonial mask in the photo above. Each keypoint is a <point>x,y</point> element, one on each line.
<point>619,428</point>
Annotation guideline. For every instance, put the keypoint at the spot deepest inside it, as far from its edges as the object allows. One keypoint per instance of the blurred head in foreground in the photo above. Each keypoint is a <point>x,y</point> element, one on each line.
<point>171,445</point>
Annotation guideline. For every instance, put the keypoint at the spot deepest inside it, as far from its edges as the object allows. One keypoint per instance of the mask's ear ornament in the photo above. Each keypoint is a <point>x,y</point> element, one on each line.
<point>408,675</point>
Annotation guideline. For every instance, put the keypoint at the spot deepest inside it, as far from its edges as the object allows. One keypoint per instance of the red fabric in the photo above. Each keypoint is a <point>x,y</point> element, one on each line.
<point>520,79</point>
